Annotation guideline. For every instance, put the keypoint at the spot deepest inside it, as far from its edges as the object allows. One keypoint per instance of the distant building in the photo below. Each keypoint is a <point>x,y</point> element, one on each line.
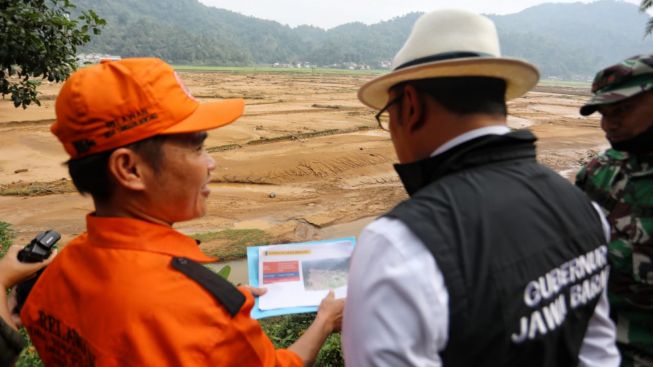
<point>354,66</point>
<point>309,65</point>
<point>95,58</point>
<point>385,64</point>
<point>282,65</point>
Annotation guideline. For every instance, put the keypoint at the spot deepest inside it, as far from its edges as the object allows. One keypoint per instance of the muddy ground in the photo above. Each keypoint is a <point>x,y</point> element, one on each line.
<point>305,162</point>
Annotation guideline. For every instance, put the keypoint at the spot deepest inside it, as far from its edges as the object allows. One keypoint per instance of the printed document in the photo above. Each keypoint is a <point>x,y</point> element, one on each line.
<point>299,275</point>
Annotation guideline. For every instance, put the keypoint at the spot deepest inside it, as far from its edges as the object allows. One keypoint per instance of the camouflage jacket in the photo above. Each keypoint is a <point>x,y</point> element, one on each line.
<point>622,185</point>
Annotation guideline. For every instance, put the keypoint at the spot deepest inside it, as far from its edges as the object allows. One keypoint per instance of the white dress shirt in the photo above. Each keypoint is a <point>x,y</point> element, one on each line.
<point>397,310</point>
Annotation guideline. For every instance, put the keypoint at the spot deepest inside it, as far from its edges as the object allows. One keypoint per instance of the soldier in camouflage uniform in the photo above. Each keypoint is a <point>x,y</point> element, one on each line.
<point>621,181</point>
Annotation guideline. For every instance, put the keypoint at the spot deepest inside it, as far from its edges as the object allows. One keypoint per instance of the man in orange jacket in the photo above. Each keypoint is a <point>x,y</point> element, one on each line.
<point>132,291</point>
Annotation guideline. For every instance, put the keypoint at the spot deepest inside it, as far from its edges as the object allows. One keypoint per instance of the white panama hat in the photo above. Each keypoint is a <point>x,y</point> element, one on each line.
<point>451,43</point>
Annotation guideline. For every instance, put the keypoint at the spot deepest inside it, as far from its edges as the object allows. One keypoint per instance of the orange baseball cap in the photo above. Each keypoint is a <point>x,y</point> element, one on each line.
<point>116,103</point>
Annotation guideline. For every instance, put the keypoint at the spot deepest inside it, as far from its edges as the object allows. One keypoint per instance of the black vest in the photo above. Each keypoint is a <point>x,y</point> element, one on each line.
<point>522,251</point>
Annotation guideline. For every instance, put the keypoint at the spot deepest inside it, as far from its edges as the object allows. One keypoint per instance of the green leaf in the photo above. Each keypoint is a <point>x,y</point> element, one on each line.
<point>225,271</point>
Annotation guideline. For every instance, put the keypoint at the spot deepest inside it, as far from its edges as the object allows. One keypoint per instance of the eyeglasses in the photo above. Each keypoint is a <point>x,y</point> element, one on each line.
<point>385,124</point>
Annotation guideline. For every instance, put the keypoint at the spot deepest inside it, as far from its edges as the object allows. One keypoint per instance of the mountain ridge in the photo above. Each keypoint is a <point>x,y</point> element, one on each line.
<point>567,41</point>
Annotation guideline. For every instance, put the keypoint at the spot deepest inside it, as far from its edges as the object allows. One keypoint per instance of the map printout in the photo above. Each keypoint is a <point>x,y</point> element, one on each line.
<point>301,275</point>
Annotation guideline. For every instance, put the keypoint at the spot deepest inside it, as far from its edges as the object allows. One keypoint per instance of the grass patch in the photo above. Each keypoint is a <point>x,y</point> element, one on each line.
<point>20,188</point>
<point>285,330</point>
<point>223,148</point>
<point>233,242</point>
<point>269,69</point>
<point>6,237</point>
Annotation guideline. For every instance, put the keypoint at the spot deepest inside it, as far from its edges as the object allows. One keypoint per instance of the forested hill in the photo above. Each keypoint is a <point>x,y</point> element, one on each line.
<point>575,39</point>
<point>565,40</point>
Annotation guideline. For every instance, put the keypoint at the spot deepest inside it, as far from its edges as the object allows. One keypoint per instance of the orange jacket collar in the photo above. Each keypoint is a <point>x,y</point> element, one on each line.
<point>139,235</point>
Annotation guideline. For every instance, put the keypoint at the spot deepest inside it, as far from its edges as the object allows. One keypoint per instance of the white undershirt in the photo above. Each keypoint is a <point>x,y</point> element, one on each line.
<point>397,310</point>
<point>469,135</point>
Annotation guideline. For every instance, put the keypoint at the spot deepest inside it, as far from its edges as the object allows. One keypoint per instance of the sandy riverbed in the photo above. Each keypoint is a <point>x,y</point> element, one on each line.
<point>304,138</point>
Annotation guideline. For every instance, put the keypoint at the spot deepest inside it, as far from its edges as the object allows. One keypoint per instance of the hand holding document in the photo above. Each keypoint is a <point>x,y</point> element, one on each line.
<point>298,276</point>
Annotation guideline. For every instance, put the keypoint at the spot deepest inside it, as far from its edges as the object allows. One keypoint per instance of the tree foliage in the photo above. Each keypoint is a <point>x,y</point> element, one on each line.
<point>646,4</point>
<point>39,39</point>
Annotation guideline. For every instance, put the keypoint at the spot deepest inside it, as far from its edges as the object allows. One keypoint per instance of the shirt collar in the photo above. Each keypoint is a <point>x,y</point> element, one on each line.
<point>483,150</point>
<point>139,235</point>
<point>469,135</point>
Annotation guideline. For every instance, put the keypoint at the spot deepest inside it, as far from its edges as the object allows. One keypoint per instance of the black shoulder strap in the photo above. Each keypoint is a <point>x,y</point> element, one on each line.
<point>223,291</point>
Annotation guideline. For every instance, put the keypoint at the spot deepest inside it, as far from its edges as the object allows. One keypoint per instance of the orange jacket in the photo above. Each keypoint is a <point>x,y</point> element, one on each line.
<point>112,298</point>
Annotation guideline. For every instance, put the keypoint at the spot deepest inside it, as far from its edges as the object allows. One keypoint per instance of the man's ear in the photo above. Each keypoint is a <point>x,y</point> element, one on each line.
<point>412,109</point>
<point>127,169</point>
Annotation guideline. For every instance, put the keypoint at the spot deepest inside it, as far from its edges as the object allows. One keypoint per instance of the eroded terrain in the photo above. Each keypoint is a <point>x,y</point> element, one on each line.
<point>305,162</point>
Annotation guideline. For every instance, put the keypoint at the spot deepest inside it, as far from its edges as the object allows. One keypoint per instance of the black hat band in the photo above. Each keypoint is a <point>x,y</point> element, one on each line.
<point>442,57</point>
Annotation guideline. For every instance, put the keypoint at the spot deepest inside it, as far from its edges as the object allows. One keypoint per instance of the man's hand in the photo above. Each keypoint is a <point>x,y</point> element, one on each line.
<point>330,312</point>
<point>256,292</point>
<point>13,271</point>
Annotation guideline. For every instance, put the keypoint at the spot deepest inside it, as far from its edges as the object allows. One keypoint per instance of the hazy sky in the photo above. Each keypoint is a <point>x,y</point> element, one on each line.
<point>331,13</point>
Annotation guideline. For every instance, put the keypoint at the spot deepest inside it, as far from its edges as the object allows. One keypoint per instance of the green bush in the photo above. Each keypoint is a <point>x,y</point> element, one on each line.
<point>29,357</point>
<point>284,330</point>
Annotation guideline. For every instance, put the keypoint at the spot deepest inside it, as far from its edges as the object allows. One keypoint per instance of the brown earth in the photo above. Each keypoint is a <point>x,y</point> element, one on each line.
<point>305,162</point>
